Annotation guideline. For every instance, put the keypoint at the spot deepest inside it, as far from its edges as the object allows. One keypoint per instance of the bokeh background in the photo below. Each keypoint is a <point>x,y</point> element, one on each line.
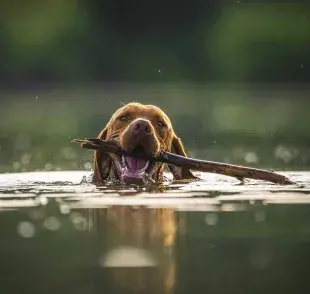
<point>232,75</point>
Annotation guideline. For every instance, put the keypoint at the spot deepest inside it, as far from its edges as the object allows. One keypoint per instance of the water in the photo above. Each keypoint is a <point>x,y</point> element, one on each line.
<point>60,234</point>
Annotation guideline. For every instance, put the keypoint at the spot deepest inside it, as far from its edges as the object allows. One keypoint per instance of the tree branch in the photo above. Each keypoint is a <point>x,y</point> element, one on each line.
<point>236,171</point>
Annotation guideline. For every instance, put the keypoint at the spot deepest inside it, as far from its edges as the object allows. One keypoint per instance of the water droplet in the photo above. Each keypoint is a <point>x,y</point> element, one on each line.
<point>26,229</point>
<point>64,209</point>
<point>48,166</point>
<point>25,158</point>
<point>88,165</point>
<point>41,200</point>
<point>16,165</point>
<point>80,223</point>
<point>52,223</point>
<point>211,219</point>
<point>251,157</point>
<point>283,153</point>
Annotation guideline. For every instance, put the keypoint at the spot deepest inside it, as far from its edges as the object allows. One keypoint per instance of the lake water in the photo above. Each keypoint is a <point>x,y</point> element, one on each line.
<point>60,234</point>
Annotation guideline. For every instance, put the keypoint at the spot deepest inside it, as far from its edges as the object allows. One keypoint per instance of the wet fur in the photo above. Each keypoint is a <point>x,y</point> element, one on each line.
<point>160,139</point>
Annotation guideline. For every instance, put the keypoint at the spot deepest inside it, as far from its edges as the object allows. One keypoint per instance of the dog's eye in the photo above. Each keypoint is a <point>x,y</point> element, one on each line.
<point>123,118</point>
<point>160,124</point>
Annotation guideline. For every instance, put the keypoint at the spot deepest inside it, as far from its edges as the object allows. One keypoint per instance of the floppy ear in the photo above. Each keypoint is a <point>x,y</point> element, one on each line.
<point>102,162</point>
<point>179,173</point>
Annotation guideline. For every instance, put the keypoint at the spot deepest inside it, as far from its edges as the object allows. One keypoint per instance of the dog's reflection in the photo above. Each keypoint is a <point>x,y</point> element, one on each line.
<point>140,246</point>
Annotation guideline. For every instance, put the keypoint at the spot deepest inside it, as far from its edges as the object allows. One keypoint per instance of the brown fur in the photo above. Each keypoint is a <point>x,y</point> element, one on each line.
<point>161,138</point>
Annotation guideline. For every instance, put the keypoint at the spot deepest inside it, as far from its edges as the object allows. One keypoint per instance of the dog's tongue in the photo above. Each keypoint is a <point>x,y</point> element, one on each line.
<point>135,164</point>
<point>134,171</point>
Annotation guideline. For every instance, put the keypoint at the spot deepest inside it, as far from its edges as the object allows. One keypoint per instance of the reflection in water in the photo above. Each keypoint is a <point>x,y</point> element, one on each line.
<point>140,247</point>
<point>211,237</point>
<point>123,249</point>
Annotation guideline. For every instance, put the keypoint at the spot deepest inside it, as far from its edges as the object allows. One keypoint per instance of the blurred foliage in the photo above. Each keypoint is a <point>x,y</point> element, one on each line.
<point>233,71</point>
<point>262,42</point>
<point>80,41</point>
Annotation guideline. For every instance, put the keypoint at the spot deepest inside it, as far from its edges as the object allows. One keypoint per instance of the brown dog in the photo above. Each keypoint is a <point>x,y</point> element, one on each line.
<point>138,127</point>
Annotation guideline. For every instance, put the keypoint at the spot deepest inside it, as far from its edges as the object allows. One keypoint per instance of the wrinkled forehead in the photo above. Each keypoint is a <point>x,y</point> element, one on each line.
<point>136,110</point>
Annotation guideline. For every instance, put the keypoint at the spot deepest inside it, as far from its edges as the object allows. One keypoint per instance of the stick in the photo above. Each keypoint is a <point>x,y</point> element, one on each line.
<point>231,170</point>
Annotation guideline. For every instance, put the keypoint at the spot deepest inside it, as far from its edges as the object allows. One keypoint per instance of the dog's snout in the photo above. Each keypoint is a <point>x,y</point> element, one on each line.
<point>141,127</point>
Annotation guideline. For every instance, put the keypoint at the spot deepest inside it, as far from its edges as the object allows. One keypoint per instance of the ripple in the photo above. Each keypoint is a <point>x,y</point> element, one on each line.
<point>212,193</point>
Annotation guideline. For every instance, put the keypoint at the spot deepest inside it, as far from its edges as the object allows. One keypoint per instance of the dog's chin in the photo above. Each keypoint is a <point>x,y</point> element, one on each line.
<point>134,170</point>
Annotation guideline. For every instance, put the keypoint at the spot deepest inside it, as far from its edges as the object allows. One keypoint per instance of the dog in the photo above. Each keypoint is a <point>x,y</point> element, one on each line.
<point>142,128</point>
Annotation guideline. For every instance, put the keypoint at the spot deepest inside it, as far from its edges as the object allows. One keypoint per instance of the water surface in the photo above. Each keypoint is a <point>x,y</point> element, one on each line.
<point>60,234</point>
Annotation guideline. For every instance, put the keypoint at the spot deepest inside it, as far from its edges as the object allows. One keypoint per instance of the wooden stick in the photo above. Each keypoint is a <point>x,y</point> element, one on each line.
<point>236,171</point>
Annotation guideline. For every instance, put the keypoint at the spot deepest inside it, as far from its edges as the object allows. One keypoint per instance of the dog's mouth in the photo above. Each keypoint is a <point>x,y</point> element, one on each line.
<point>134,170</point>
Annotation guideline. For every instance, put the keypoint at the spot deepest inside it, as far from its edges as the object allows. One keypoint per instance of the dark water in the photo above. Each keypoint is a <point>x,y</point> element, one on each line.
<point>59,235</point>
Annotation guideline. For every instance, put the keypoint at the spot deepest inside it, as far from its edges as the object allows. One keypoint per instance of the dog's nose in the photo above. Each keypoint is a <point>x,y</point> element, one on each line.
<point>141,127</point>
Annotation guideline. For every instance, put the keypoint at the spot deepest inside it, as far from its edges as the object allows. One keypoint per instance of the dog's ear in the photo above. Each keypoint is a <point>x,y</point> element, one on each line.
<point>102,162</point>
<point>179,173</point>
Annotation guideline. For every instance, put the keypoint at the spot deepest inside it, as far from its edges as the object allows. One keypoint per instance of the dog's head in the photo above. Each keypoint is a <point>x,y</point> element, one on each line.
<point>141,128</point>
